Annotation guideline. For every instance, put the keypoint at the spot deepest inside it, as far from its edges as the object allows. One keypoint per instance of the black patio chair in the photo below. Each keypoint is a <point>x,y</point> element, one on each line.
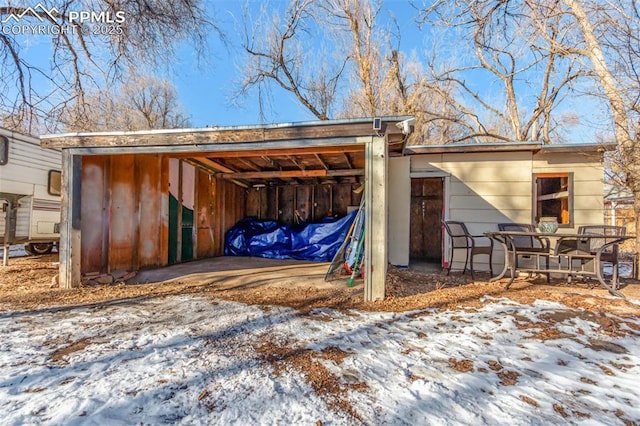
<point>592,245</point>
<point>461,239</point>
<point>609,254</point>
<point>528,246</point>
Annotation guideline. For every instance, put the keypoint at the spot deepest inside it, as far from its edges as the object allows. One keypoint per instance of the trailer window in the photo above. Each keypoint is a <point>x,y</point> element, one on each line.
<point>55,182</point>
<point>4,150</point>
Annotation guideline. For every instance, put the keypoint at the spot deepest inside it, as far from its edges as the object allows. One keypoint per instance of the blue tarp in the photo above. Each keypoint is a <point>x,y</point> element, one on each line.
<point>267,238</point>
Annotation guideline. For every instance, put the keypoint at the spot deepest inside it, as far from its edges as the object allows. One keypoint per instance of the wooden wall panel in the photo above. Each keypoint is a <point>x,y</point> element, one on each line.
<point>356,197</point>
<point>341,199</point>
<point>304,194</point>
<point>271,203</point>
<point>164,211</point>
<point>253,202</point>
<point>220,213</point>
<point>123,213</point>
<point>93,215</point>
<point>286,204</point>
<point>216,222</point>
<point>229,212</point>
<point>312,202</point>
<point>257,200</point>
<point>228,206</point>
<point>240,200</point>
<point>322,201</point>
<point>150,207</point>
<point>205,236</point>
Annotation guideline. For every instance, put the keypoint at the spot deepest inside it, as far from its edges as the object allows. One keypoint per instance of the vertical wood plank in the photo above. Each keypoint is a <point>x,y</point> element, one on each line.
<point>253,202</point>
<point>150,211</point>
<point>163,258</point>
<point>123,209</point>
<point>375,265</point>
<point>271,203</point>
<point>179,215</point>
<point>106,211</point>
<point>216,217</point>
<point>303,202</point>
<point>205,237</point>
<point>221,211</point>
<point>92,211</point>
<point>241,199</point>
<point>341,199</point>
<point>356,197</point>
<point>322,200</point>
<point>285,204</point>
<point>264,202</point>
<point>70,232</point>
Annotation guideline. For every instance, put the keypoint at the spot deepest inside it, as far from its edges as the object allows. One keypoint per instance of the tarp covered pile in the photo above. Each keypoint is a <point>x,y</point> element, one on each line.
<point>267,238</point>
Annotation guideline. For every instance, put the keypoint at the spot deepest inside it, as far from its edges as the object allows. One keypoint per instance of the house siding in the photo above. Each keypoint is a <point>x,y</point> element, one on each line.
<point>588,183</point>
<point>487,188</point>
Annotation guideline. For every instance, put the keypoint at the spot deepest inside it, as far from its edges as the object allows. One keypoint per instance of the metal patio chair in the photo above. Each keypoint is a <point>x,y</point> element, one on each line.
<point>461,239</point>
<point>609,254</point>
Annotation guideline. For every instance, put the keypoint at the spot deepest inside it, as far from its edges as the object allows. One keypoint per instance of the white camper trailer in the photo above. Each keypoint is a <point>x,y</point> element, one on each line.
<point>29,193</point>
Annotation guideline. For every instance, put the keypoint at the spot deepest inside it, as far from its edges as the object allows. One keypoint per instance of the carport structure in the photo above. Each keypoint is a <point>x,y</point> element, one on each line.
<point>136,200</point>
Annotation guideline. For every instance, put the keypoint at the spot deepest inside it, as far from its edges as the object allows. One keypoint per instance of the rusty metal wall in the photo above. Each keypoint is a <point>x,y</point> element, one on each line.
<point>125,212</point>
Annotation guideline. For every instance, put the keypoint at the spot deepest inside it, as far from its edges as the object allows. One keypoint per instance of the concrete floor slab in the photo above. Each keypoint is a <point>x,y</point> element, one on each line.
<point>230,272</point>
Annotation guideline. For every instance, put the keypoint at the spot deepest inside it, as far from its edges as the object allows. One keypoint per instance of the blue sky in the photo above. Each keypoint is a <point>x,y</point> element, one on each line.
<point>207,87</point>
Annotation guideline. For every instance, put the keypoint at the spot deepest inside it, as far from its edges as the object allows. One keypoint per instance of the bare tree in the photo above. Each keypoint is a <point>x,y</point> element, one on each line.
<point>609,37</point>
<point>505,50</point>
<point>278,51</point>
<point>87,55</point>
<point>358,71</point>
<point>590,44</point>
<point>143,103</point>
<point>342,78</point>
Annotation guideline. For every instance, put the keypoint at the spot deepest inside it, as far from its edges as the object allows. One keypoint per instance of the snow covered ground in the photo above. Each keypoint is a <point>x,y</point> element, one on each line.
<point>188,359</point>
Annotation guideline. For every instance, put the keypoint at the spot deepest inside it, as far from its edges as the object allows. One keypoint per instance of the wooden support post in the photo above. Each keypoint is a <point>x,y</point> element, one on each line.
<point>70,250</point>
<point>376,219</point>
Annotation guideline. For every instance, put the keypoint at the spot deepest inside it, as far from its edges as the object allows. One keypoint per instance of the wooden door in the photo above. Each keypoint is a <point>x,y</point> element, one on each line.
<point>427,196</point>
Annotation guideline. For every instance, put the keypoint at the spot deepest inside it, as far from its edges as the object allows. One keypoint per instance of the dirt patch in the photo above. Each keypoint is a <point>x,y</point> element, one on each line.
<point>59,355</point>
<point>305,361</point>
<point>495,365</point>
<point>529,401</point>
<point>461,365</point>
<point>508,377</point>
<point>28,283</point>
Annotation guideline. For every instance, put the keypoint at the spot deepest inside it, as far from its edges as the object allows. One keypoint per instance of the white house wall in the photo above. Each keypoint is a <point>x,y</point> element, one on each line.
<point>399,210</point>
<point>588,185</point>
<point>493,187</point>
<point>484,189</point>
